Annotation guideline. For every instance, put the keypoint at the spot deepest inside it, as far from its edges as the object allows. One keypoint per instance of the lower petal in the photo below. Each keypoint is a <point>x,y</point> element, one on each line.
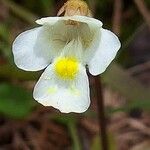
<point>67,96</point>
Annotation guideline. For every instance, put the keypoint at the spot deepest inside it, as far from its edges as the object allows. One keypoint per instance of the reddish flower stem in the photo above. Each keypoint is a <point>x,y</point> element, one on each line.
<point>101,113</point>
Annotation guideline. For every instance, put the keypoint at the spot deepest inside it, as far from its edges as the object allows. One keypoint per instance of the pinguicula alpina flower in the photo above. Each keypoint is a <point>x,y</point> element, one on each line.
<point>65,46</point>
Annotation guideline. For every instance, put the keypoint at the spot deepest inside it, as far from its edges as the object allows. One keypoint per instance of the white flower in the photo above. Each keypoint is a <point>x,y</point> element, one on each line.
<point>65,45</point>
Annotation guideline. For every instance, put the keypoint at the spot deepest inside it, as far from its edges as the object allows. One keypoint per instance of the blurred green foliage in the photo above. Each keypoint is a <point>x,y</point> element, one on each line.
<point>15,101</point>
<point>96,145</point>
<point>70,121</point>
<point>40,7</point>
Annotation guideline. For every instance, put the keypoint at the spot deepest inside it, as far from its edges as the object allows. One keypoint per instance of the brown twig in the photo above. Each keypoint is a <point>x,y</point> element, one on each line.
<point>143,10</point>
<point>101,113</point>
<point>117,16</point>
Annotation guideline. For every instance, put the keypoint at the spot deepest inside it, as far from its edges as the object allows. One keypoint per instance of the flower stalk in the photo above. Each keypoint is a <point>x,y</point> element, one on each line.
<point>101,113</point>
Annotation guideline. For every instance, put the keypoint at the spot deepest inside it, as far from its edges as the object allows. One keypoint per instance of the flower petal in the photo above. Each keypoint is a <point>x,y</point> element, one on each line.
<point>106,52</point>
<point>88,32</point>
<point>48,20</point>
<point>32,50</point>
<point>67,96</point>
<point>83,19</point>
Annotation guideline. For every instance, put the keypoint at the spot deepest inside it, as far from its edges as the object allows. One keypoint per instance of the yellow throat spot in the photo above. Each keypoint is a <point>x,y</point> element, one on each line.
<point>66,68</point>
<point>52,90</point>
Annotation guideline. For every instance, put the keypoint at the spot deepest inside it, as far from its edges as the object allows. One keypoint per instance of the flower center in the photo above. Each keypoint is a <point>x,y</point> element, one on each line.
<point>66,68</point>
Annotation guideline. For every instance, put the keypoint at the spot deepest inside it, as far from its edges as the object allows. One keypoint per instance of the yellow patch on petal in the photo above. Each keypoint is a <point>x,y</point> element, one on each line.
<point>66,68</point>
<point>74,91</point>
<point>52,90</point>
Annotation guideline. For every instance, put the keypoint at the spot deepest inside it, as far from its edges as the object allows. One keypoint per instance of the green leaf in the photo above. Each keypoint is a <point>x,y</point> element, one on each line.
<point>142,104</point>
<point>70,122</point>
<point>10,71</point>
<point>4,32</point>
<point>15,101</point>
<point>96,144</point>
<point>6,51</point>
<point>74,136</point>
<point>65,118</point>
<point>20,11</point>
<point>47,6</point>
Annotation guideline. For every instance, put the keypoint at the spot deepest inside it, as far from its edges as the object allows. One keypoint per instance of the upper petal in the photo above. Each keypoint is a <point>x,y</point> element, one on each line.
<point>87,31</point>
<point>82,19</point>
<point>32,50</point>
<point>108,47</point>
<point>67,96</point>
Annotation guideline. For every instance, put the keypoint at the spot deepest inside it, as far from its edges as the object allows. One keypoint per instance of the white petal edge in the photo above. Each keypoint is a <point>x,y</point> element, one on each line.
<point>106,52</point>
<point>83,19</point>
<point>47,20</point>
<point>31,50</point>
<point>63,99</point>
